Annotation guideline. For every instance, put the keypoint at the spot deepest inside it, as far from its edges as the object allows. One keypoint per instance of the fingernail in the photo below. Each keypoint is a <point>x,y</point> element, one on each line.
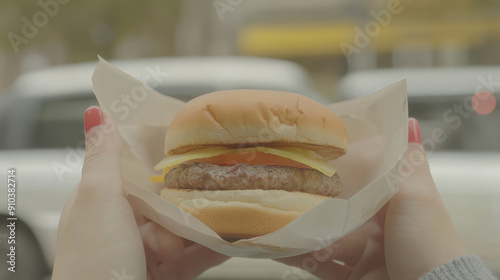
<point>92,117</point>
<point>414,131</point>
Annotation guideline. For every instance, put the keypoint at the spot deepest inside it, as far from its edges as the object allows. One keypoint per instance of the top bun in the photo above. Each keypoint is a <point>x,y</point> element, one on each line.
<point>249,118</point>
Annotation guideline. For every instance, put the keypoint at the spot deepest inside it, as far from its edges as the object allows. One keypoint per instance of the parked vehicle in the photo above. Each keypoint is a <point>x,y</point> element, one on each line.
<point>41,119</point>
<point>462,146</point>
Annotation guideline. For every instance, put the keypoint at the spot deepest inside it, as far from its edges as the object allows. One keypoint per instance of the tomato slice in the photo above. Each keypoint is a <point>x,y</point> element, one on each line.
<point>254,158</point>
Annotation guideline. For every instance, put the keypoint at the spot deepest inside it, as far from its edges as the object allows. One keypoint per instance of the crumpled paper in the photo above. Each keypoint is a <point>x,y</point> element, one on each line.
<point>377,128</point>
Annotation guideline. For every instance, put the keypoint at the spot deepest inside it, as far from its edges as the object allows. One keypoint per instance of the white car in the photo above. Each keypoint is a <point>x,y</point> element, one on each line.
<point>462,146</point>
<point>41,119</point>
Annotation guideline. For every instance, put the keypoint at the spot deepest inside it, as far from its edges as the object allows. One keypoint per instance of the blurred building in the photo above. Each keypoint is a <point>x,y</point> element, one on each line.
<point>329,38</point>
<point>332,38</point>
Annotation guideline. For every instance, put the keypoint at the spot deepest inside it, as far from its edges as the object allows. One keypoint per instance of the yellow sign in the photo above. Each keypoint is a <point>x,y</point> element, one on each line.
<point>326,38</point>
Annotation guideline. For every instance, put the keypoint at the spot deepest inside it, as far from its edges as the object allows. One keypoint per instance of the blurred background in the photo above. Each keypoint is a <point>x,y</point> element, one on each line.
<point>449,51</point>
<point>421,33</point>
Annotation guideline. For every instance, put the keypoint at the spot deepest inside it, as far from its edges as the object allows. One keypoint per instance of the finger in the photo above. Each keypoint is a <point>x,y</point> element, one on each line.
<point>379,218</point>
<point>372,261</point>
<point>101,172</point>
<point>417,187</point>
<point>348,250</point>
<point>98,221</point>
<point>100,214</point>
<point>188,242</point>
<point>165,245</point>
<point>415,174</point>
<point>323,270</point>
<point>196,259</point>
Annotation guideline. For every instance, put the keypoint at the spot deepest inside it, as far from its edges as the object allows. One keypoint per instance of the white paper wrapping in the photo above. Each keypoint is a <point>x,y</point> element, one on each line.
<point>377,130</point>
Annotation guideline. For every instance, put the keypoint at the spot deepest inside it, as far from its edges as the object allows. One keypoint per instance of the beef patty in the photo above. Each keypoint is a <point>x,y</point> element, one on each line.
<point>205,176</point>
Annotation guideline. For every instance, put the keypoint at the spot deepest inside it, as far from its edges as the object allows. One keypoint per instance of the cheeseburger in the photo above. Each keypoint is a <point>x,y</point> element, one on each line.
<point>248,162</point>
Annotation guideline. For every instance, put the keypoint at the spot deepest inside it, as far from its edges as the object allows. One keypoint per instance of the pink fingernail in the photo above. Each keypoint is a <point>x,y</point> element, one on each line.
<point>414,131</point>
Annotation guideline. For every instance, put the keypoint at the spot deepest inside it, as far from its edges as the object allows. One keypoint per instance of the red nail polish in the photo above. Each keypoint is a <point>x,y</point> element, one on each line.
<point>414,131</point>
<point>92,117</point>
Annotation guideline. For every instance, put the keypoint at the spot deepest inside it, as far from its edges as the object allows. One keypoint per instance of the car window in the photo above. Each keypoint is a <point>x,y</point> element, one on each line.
<point>452,124</point>
<point>60,123</point>
<point>185,93</point>
<point>3,126</point>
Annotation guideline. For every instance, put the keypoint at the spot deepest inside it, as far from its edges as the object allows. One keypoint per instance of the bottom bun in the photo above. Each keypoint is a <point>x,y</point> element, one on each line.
<point>238,214</point>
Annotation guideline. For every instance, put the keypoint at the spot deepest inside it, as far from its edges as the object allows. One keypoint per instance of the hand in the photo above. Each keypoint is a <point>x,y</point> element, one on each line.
<point>407,238</point>
<point>98,235</point>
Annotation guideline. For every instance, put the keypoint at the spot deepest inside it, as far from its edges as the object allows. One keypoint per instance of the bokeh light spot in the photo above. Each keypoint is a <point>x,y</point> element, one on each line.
<point>483,102</point>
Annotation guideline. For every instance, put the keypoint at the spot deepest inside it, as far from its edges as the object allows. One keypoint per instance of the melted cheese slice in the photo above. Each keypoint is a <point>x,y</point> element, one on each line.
<point>307,157</point>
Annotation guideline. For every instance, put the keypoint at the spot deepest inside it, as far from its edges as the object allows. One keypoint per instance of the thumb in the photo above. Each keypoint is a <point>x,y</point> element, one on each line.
<point>101,172</point>
<point>98,222</point>
<point>415,175</point>
<point>419,234</point>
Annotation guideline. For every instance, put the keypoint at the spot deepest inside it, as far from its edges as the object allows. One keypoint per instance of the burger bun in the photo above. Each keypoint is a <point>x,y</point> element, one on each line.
<point>238,214</point>
<point>246,117</point>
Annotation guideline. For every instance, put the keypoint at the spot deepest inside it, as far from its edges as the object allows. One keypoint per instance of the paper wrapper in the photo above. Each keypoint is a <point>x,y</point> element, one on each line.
<point>377,128</point>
